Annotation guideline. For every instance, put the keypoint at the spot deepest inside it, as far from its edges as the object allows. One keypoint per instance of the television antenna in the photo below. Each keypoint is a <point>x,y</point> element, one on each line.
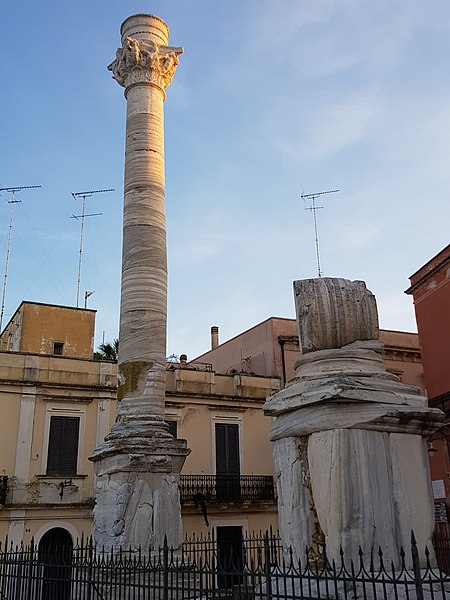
<point>313,208</point>
<point>12,191</point>
<point>77,196</point>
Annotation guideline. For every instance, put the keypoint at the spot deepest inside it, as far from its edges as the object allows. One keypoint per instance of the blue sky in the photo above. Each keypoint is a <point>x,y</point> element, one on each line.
<point>272,98</point>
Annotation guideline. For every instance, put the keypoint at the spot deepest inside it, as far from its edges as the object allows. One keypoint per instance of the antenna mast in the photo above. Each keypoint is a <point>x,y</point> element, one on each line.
<point>12,190</point>
<point>313,208</point>
<point>83,215</point>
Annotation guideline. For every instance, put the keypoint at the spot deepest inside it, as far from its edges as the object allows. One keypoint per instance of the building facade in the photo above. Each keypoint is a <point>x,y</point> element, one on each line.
<point>49,329</point>
<point>271,348</point>
<point>430,289</point>
<point>58,404</point>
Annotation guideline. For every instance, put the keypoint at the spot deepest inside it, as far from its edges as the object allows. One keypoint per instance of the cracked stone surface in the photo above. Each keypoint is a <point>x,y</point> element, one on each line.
<point>138,506</point>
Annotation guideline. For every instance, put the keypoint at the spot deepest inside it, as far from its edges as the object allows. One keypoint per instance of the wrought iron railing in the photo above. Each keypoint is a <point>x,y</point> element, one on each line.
<point>441,543</point>
<point>89,573</point>
<point>226,488</point>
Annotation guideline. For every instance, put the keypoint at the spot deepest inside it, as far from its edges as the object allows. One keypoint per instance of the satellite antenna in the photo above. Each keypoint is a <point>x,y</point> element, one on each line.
<point>83,215</point>
<point>313,208</point>
<point>13,201</point>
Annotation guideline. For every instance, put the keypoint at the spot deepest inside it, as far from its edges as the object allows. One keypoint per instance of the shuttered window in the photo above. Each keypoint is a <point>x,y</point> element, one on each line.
<point>227,449</point>
<point>63,446</point>
<point>173,429</point>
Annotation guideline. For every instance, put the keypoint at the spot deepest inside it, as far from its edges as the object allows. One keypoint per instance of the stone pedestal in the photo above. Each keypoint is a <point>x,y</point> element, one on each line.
<point>349,448</point>
<point>137,502</point>
<point>138,464</point>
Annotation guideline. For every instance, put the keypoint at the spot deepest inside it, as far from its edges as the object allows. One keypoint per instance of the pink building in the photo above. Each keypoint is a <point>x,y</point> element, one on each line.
<point>430,288</point>
<point>271,348</point>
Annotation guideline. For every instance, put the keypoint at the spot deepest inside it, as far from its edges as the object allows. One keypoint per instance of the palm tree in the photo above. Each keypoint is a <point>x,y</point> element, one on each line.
<point>107,351</point>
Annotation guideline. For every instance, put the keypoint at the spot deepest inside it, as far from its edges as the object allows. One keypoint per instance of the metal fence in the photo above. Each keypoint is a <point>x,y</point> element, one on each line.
<point>262,571</point>
<point>441,543</point>
<point>227,488</point>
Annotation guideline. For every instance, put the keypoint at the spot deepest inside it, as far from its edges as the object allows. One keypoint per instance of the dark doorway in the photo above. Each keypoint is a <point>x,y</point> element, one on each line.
<point>228,487</point>
<point>229,556</point>
<point>55,556</point>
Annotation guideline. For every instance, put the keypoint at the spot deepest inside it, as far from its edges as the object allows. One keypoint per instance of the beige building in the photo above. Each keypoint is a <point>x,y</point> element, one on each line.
<point>58,404</point>
<point>230,464</point>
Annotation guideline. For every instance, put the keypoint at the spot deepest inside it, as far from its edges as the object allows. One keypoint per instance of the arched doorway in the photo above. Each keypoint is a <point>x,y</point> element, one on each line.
<point>55,556</point>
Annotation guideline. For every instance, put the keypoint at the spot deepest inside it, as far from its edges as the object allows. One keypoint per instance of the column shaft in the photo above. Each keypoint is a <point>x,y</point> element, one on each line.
<point>138,464</point>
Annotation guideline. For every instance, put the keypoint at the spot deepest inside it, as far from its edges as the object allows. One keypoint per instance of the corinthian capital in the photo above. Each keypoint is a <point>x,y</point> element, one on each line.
<point>144,62</point>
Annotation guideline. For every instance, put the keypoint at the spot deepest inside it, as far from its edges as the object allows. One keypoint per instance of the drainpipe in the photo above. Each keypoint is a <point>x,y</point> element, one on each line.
<point>283,362</point>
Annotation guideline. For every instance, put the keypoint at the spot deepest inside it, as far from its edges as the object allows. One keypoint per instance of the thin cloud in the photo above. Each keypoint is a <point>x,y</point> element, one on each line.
<point>322,37</point>
<point>358,235</point>
<point>336,126</point>
<point>329,128</point>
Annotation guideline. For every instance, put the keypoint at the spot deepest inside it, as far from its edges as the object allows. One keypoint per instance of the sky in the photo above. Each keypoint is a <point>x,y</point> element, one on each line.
<point>272,99</point>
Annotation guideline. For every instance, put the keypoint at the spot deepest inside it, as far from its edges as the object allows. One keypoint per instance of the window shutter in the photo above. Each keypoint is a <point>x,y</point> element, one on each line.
<point>54,446</point>
<point>173,429</point>
<point>227,449</point>
<point>70,452</point>
<point>233,449</point>
<point>63,446</point>
<point>221,460</point>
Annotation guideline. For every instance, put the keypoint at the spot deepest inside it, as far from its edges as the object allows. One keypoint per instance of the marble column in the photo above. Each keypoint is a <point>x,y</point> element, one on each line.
<point>349,438</point>
<point>138,464</point>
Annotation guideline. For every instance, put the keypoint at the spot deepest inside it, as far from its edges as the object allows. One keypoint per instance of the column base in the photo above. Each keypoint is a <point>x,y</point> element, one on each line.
<point>137,501</point>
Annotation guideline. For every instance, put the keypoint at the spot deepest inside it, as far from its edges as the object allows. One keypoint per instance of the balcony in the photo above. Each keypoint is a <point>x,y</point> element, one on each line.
<point>221,489</point>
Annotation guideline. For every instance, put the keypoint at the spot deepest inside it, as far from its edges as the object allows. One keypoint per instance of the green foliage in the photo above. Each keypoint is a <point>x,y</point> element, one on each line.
<point>107,351</point>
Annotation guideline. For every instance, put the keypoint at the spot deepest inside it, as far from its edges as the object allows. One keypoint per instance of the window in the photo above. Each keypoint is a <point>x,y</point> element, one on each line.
<point>173,429</point>
<point>58,348</point>
<point>227,449</point>
<point>63,445</point>
<point>227,462</point>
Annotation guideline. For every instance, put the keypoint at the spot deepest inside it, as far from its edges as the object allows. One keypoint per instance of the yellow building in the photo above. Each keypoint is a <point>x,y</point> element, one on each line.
<point>58,404</point>
<point>49,329</point>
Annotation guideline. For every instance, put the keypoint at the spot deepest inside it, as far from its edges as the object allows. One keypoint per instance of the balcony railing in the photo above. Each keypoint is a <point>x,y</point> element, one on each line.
<point>214,489</point>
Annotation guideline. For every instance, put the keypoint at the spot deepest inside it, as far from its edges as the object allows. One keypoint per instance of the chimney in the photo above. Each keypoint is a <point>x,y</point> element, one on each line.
<point>214,337</point>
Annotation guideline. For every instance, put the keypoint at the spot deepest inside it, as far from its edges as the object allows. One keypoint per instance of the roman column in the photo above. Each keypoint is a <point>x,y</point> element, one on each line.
<point>138,464</point>
<point>349,437</point>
